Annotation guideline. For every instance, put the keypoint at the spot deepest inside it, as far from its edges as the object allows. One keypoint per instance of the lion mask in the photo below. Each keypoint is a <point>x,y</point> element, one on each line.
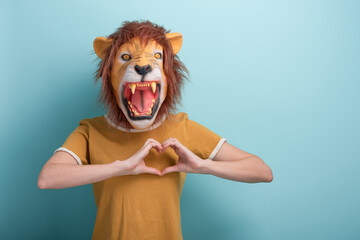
<point>140,73</point>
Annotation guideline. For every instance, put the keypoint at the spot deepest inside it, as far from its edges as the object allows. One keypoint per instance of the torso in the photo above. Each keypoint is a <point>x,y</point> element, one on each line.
<point>143,206</point>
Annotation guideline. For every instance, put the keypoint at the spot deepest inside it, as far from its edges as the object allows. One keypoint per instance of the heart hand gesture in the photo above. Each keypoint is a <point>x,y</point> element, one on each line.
<point>136,165</point>
<point>188,161</point>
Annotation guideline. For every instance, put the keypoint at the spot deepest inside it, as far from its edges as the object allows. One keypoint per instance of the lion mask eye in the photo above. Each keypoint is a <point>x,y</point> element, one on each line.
<point>126,57</point>
<point>157,55</point>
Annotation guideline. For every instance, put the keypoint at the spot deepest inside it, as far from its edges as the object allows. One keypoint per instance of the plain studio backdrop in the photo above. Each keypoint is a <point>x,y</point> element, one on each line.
<point>279,79</point>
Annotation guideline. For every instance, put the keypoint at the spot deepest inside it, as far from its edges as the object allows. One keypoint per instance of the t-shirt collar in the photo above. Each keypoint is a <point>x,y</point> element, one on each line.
<point>133,129</point>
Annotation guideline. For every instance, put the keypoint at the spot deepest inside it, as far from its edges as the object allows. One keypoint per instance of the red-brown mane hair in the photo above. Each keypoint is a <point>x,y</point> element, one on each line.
<point>174,69</point>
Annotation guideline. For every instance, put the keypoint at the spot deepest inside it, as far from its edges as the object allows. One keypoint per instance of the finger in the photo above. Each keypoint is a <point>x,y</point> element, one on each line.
<point>149,140</point>
<point>144,151</point>
<point>170,169</point>
<point>155,145</point>
<point>152,142</point>
<point>168,140</point>
<point>152,171</point>
<point>173,143</point>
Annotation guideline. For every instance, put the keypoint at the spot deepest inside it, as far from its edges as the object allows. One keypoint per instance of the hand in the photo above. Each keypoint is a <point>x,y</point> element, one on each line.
<point>136,165</point>
<point>188,161</point>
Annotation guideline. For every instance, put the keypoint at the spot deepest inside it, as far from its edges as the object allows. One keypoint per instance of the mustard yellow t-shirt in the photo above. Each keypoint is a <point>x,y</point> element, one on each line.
<point>143,206</point>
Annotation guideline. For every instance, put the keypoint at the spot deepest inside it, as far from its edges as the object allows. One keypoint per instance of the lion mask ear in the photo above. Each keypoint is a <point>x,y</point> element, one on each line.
<point>100,45</point>
<point>176,40</point>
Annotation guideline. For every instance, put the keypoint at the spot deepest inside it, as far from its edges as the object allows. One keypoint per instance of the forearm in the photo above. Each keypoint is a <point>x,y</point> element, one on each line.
<point>250,170</point>
<point>59,175</point>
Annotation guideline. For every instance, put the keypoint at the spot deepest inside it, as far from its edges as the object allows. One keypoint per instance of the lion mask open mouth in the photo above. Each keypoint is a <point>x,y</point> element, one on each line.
<point>141,99</point>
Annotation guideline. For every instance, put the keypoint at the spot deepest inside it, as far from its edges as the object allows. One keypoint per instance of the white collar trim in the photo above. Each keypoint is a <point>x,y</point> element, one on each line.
<point>133,129</point>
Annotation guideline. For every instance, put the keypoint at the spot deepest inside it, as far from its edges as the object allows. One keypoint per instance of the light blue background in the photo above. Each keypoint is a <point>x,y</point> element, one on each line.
<point>279,79</point>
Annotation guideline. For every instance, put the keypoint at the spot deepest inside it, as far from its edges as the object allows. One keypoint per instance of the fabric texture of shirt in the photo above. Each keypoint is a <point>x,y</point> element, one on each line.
<point>143,206</point>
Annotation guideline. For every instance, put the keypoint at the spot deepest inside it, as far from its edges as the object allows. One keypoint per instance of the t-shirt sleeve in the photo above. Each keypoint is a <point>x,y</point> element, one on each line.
<point>201,140</point>
<point>76,144</point>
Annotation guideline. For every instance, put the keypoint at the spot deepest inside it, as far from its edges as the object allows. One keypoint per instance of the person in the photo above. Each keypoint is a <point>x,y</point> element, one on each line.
<point>137,155</point>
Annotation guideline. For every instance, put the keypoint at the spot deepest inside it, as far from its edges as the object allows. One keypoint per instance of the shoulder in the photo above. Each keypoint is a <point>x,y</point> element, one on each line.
<point>97,122</point>
<point>180,116</point>
<point>176,120</point>
<point>182,119</point>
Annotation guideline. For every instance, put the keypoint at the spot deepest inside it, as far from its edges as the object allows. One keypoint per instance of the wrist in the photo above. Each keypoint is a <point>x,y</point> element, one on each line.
<point>120,168</point>
<point>205,166</point>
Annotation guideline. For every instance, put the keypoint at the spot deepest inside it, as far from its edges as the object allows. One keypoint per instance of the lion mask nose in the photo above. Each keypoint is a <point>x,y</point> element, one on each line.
<point>143,70</point>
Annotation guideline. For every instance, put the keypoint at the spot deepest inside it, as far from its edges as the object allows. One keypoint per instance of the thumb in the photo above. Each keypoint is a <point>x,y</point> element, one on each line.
<point>170,169</point>
<point>152,170</point>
